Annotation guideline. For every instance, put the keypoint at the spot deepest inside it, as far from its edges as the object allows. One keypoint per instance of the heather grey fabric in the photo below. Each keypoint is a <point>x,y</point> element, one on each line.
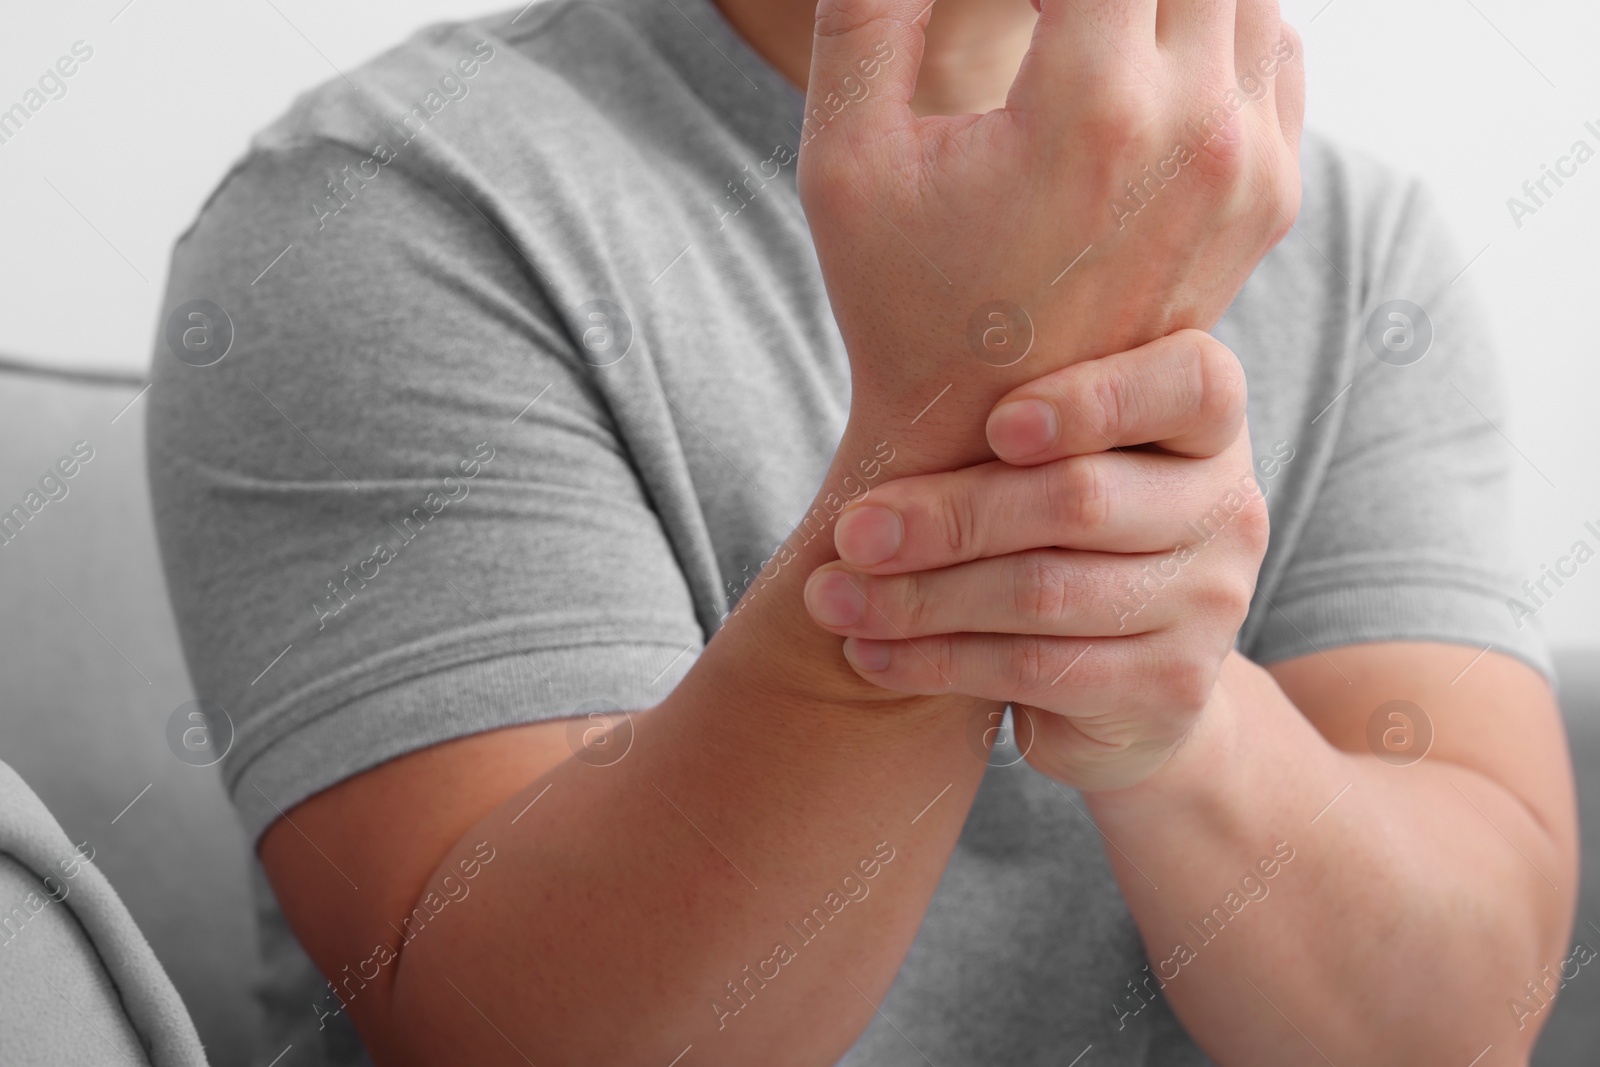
<point>79,984</point>
<point>428,492</point>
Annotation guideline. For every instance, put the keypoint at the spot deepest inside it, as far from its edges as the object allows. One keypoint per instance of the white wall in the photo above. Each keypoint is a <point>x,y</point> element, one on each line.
<point>99,182</point>
<point>1474,95</point>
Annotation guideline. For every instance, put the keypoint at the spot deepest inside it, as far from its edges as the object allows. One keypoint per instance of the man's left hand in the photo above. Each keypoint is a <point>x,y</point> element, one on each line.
<point>1094,578</point>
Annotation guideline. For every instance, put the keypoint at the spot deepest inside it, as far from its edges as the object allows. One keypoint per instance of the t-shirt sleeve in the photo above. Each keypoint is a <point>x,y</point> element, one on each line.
<point>1408,536</point>
<point>397,510</point>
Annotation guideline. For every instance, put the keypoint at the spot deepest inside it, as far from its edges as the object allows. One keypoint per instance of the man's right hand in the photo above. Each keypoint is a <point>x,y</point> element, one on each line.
<point>1146,159</point>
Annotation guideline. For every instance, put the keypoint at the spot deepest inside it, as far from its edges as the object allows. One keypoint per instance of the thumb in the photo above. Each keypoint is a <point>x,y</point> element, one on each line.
<point>864,63</point>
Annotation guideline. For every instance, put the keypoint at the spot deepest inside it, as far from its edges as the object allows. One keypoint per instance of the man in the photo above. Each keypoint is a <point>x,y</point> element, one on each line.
<point>554,450</point>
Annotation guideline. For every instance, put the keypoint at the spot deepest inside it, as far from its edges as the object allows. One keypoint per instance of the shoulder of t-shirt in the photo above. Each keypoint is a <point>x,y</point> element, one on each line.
<point>513,44</point>
<point>1377,224</point>
<point>534,111</point>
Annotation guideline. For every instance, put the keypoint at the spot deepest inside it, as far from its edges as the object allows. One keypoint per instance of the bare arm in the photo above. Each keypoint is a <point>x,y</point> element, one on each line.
<point>1420,898</point>
<point>1303,888</point>
<point>772,783</point>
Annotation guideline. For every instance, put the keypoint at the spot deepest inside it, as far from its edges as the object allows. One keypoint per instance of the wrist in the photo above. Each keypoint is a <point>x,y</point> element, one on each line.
<point>769,651</point>
<point>934,428</point>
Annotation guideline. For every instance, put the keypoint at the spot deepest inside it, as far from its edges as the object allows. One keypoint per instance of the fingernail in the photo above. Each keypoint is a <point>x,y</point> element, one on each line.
<point>868,535</point>
<point>1022,428</point>
<point>834,600</point>
<point>866,655</point>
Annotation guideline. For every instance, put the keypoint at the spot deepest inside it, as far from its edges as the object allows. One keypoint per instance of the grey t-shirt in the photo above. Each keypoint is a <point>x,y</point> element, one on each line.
<point>526,367</point>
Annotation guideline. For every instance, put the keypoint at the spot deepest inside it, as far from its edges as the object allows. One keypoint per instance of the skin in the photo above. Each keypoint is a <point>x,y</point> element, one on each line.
<point>1004,581</point>
<point>974,48</point>
<point>622,897</point>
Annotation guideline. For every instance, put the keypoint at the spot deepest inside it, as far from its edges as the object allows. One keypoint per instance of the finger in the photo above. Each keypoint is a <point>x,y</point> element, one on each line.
<point>1079,45</point>
<point>1196,25</point>
<point>1289,85</point>
<point>1045,592</point>
<point>1122,21</point>
<point>1184,392</point>
<point>1105,712</point>
<point>1126,502</point>
<point>1135,680</point>
<point>864,62</point>
<point>1256,32</point>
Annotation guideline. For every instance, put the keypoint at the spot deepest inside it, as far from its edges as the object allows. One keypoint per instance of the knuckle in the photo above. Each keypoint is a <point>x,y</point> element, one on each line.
<point>1113,122</point>
<point>835,18</point>
<point>1041,588</point>
<point>1104,405</point>
<point>1222,155</point>
<point>1225,601</point>
<point>1226,586</point>
<point>1031,661</point>
<point>936,655</point>
<point>1286,195</point>
<point>1080,493</point>
<point>1120,119</point>
<point>1254,525</point>
<point>1275,193</point>
<point>843,175</point>
<point>1243,592</point>
<point>1185,682</point>
<point>821,177</point>
<point>909,608</point>
<point>955,523</point>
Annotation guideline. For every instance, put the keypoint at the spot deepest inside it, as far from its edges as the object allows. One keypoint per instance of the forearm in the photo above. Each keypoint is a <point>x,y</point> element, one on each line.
<point>1412,910</point>
<point>771,773</point>
<point>747,879</point>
